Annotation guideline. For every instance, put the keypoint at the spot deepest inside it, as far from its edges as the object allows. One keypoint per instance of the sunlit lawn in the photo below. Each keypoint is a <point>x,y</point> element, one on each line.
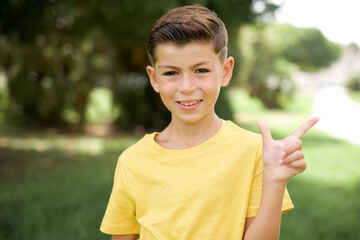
<point>55,186</point>
<point>326,196</point>
<point>355,95</point>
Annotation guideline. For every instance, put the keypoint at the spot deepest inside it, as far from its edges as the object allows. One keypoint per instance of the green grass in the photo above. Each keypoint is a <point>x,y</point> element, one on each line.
<point>52,188</point>
<point>355,95</point>
<point>326,196</point>
<point>64,204</point>
<point>56,186</point>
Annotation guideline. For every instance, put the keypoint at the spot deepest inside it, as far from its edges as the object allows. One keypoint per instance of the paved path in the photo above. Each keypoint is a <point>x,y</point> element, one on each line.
<point>339,115</point>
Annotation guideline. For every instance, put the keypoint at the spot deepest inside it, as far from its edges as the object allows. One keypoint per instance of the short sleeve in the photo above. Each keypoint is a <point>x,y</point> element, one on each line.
<point>256,187</point>
<point>120,215</point>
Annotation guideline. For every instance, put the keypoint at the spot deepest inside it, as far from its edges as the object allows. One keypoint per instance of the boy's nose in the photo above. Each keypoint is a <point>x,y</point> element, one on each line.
<point>187,84</point>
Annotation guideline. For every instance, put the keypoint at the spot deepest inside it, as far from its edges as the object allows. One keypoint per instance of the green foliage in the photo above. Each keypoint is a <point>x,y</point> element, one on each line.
<point>270,53</point>
<point>55,52</point>
<point>139,104</point>
<point>100,109</point>
<point>305,47</point>
<point>3,99</point>
<point>51,67</point>
<point>264,73</point>
<point>353,82</point>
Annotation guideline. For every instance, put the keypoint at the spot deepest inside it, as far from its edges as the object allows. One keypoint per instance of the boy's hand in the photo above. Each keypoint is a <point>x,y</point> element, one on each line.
<point>283,159</point>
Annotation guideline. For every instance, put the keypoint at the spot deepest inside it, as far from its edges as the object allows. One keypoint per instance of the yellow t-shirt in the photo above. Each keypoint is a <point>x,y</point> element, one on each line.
<point>203,192</point>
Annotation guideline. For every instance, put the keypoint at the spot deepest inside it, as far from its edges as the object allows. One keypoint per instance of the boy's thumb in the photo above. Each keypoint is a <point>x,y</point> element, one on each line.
<point>265,132</point>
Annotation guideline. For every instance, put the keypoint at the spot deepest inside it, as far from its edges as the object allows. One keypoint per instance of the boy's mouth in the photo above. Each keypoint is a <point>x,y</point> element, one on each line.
<point>189,103</point>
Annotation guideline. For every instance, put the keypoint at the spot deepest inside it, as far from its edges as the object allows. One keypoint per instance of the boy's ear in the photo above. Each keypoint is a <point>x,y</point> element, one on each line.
<point>152,76</point>
<point>227,71</point>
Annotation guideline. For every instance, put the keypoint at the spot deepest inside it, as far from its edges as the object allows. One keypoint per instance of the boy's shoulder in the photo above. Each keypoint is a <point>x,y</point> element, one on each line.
<point>140,144</point>
<point>139,148</point>
<point>235,131</point>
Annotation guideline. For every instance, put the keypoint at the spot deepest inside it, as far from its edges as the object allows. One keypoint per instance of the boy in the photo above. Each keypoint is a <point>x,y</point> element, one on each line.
<point>201,177</point>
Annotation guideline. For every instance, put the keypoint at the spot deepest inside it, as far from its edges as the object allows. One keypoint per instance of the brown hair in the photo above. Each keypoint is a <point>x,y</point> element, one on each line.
<point>187,24</point>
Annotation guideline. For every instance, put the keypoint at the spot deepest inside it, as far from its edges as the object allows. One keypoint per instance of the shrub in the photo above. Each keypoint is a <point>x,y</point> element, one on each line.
<point>353,82</point>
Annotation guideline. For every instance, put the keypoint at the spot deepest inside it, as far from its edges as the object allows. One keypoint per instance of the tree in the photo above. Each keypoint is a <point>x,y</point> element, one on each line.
<point>271,52</point>
<point>56,52</point>
<point>52,61</point>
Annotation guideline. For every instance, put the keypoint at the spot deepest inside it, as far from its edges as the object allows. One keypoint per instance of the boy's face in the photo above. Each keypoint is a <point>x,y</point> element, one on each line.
<point>188,79</point>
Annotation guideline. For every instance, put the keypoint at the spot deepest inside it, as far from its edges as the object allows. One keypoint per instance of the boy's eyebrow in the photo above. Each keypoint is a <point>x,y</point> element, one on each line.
<point>203,63</point>
<point>167,66</point>
<point>195,65</point>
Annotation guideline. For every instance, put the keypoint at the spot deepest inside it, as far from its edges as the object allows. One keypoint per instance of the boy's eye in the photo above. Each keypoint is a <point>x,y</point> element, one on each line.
<point>170,73</point>
<point>202,70</point>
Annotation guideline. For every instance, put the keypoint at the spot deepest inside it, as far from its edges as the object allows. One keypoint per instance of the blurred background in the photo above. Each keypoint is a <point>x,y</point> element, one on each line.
<point>74,94</point>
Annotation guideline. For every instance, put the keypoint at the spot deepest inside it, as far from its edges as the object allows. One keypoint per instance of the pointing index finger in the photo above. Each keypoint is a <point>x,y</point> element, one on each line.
<point>305,127</point>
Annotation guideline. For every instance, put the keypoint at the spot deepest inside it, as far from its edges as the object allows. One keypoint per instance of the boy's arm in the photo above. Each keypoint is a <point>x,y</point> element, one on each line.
<point>282,160</point>
<point>124,237</point>
<point>248,223</point>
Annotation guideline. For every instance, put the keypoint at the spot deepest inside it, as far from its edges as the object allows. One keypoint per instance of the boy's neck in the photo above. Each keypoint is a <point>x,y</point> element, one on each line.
<point>180,135</point>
